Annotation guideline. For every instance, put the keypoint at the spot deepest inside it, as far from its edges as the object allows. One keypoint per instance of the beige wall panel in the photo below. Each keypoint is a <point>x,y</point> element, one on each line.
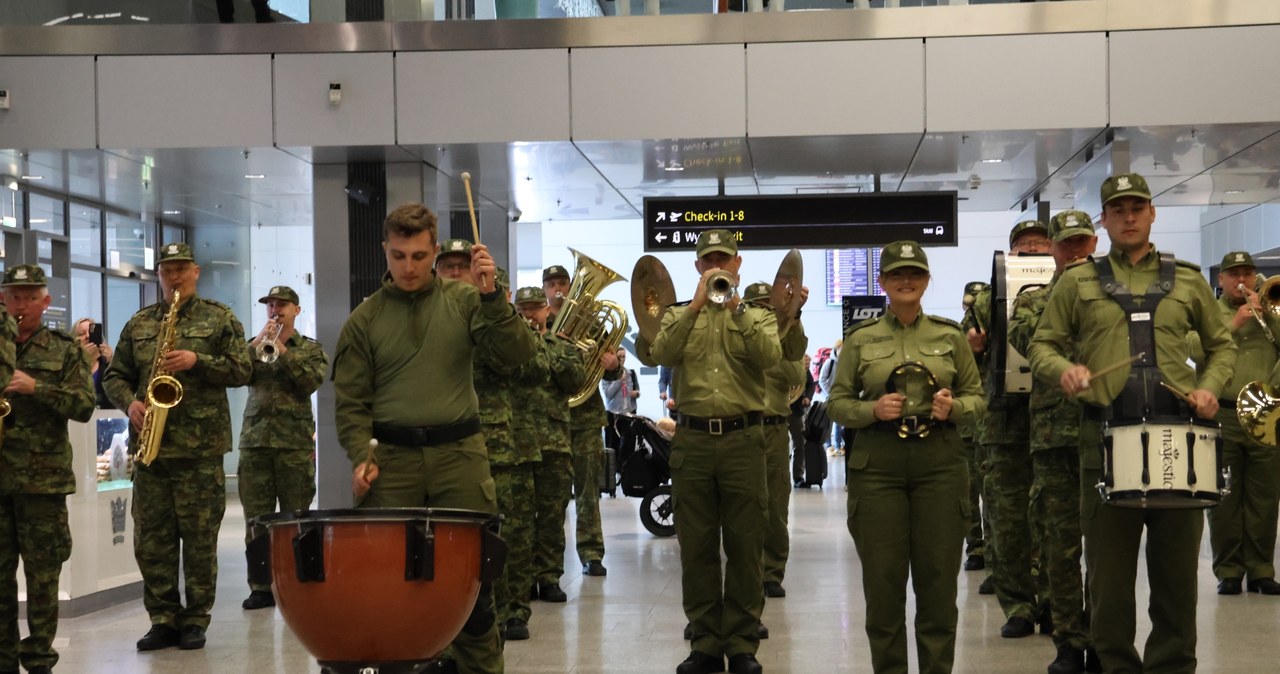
<point>51,102</point>
<point>303,114</point>
<point>479,97</point>
<point>659,92</point>
<point>184,101</point>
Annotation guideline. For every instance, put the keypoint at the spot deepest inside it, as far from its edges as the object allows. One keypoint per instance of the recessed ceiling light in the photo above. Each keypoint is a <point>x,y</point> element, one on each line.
<point>173,212</point>
<point>39,221</point>
<point>992,161</point>
<point>13,185</point>
<point>1235,191</point>
<point>254,176</point>
<point>33,177</point>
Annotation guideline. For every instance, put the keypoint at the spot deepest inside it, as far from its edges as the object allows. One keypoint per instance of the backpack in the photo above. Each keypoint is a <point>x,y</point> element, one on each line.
<point>815,366</point>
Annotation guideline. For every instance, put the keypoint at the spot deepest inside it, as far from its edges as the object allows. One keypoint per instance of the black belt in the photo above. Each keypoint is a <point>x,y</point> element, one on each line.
<point>426,436</point>
<point>774,421</point>
<point>721,425</point>
<point>912,422</point>
<point>1226,404</point>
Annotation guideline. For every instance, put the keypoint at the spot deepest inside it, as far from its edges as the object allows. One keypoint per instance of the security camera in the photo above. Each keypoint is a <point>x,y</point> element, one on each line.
<point>515,214</point>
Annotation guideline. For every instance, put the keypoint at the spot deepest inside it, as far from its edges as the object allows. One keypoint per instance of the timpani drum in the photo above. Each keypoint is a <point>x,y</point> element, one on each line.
<point>380,590</point>
<point>1162,464</point>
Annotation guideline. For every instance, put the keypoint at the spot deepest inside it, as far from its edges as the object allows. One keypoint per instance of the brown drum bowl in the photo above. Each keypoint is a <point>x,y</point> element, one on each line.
<point>367,607</point>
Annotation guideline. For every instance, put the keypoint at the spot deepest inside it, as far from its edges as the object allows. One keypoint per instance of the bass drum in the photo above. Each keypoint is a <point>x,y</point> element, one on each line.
<point>1011,275</point>
<point>382,589</point>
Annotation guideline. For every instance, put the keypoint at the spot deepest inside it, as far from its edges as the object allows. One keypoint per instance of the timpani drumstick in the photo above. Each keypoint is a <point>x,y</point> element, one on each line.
<point>471,208</point>
<point>370,457</point>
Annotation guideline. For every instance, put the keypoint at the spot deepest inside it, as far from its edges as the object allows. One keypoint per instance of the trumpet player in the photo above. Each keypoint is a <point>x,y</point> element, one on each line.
<point>50,386</point>
<point>180,498</point>
<point>1242,529</point>
<point>277,446</point>
<point>718,459</point>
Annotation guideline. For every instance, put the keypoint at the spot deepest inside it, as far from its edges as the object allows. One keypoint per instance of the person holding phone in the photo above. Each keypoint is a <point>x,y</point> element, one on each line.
<point>98,353</point>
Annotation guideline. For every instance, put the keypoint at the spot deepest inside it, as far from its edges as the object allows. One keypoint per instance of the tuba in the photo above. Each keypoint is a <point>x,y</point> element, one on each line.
<point>163,391</point>
<point>1258,409</point>
<point>596,327</point>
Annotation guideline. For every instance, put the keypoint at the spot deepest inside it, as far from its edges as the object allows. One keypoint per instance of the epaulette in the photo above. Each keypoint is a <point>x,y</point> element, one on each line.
<point>216,303</point>
<point>1189,265</point>
<point>1077,262</point>
<point>63,336</point>
<point>680,304</point>
<point>864,323</point>
<point>945,321</point>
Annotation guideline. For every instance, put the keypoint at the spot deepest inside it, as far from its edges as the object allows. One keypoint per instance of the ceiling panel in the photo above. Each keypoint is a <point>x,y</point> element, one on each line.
<point>841,163</point>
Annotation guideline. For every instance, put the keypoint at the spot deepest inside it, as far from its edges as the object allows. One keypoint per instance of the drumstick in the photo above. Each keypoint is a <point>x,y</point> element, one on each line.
<point>369,458</point>
<point>471,208</point>
<point>1174,390</point>
<point>1115,366</point>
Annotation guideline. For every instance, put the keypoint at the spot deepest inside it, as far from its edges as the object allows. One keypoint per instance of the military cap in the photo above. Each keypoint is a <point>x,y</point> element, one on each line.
<point>1067,224</point>
<point>1024,227</point>
<point>757,292</point>
<point>1230,260</point>
<point>174,252</point>
<point>555,271</point>
<point>502,278</point>
<point>902,254</point>
<point>454,247</point>
<point>975,287</point>
<point>531,295</point>
<point>1125,185</point>
<point>717,240</point>
<point>279,293</point>
<point>24,275</point>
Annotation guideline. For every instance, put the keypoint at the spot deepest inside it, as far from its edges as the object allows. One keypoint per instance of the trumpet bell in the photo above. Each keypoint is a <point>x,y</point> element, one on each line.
<point>721,287</point>
<point>785,297</point>
<point>651,293</point>
<point>1258,409</point>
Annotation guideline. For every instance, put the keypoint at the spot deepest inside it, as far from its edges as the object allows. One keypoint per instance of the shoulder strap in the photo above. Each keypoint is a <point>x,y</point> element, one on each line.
<point>1143,396</point>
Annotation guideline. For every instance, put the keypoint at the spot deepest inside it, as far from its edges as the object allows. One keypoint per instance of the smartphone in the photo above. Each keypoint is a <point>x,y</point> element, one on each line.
<point>95,334</point>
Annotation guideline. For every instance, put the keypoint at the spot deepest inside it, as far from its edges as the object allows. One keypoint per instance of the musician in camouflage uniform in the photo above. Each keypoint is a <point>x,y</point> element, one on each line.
<point>50,385</point>
<point>277,441</point>
<point>8,330</point>
<point>180,498</point>
<point>1004,439</point>
<point>546,384</point>
<point>1055,457</point>
<point>976,540</point>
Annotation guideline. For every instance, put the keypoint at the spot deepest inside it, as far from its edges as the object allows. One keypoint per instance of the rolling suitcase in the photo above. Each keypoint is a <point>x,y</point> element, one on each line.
<point>816,423</point>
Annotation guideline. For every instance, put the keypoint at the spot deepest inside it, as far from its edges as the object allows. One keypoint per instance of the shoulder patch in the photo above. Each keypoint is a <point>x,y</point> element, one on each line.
<point>1077,262</point>
<point>680,304</point>
<point>865,323</point>
<point>215,303</point>
<point>944,320</point>
<point>1189,265</point>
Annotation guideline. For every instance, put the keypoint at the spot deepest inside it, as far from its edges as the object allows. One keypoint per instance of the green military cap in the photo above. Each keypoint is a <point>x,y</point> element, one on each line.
<point>176,251</point>
<point>531,295</point>
<point>902,254</point>
<point>279,293</point>
<point>24,275</point>
<point>1125,185</point>
<point>717,240</point>
<point>555,271</point>
<point>975,287</point>
<point>1233,259</point>
<point>1024,227</point>
<point>1067,224</point>
<point>757,292</point>
<point>502,278</point>
<point>454,247</point>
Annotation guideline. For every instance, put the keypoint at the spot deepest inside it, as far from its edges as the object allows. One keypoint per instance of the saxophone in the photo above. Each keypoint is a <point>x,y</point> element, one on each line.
<point>163,391</point>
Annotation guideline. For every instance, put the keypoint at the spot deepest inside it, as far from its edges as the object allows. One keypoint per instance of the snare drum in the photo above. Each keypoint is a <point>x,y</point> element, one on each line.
<point>380,589</point>
<point>1162,464</point>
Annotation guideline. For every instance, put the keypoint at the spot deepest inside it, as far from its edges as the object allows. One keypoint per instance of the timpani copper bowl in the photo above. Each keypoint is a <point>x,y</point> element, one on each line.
<point>380,590</point>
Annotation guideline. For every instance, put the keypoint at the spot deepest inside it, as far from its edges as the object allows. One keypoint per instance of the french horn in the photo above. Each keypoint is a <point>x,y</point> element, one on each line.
<point>1258,409</point>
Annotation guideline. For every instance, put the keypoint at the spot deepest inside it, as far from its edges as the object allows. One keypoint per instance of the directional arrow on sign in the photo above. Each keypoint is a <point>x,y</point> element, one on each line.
<point>660,237</point>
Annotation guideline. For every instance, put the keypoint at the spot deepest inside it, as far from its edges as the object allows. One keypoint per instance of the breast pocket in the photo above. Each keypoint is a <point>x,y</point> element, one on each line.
<point>940,359</point>
<point>874,367</point>
<point>194,336</point>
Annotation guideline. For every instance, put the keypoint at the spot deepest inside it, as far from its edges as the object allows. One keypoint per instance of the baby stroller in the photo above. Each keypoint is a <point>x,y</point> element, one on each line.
<point>644,470</point>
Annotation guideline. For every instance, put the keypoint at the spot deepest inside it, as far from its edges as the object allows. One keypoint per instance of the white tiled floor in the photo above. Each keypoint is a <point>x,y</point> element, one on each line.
<point>630,621</point>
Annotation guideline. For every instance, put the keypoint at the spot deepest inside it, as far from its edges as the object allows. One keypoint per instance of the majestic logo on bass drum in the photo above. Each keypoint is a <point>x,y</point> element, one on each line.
<point>1168,455</point>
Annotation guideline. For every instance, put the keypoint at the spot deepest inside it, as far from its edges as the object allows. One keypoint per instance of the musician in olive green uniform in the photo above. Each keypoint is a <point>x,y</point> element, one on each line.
<point>1055,456</point>
<point>1242,529</point>
<point>277,440</point>
<point>978,543</point>
<point>1134,303</point>
<point>718,459</point>
<point>546,382</point>
<point>50,386</point>
<point>1004,435</point>
<point>403,375</point>
<point>180,498</point>
<point>779,382</point>
<point>908,491</point>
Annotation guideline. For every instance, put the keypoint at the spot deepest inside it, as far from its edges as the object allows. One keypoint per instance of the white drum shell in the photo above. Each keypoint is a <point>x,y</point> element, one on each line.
<point>1171,479</point>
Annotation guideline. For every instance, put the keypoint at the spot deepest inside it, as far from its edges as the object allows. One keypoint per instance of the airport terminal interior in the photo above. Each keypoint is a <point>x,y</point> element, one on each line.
<point>275,142</point>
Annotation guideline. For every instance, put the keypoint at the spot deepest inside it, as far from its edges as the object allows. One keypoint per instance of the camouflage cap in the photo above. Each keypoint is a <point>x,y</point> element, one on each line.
<point>24,275</point>
<point>975,287</point>
<point>555,271</point>
<point>502,278</point>
<point>1067,224</point>
<point>531,295</point>
<point>1125,185</point>
<point>902,254</point>
<point>1024,227</point>
<point>717,240</point>
<point>279,293</point>
<point>454,247</point>
<point>1231,260</point>
<point>757,292</point>
<point>174,252</point>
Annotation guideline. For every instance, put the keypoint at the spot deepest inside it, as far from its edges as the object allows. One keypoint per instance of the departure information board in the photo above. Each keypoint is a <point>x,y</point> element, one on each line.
<point>803,221</point>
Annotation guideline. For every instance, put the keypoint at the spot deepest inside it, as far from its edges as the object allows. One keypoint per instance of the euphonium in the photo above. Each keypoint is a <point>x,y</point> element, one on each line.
<point>268,350</point>
<point>594,326</point>
<point>721,287</point>
<point>1258,410</point>
<point>1269,294</point>
<point>163,391</point>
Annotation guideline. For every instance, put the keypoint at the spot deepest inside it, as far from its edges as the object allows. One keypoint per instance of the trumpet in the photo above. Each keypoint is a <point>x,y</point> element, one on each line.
<point>1266,330</point>
<point>721,287</point>
<point>268,350</point>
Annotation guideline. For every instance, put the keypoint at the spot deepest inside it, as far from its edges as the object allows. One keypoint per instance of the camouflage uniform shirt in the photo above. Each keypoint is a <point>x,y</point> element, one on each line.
<point>1055,418</point>
<point>8,331</point>
<point>278,414</point>
<point>544,385</point>
<point>200,425</point>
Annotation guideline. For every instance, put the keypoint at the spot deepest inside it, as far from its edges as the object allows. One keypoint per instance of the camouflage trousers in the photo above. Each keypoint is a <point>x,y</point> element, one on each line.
<point>514,484</point>
<point>1055,498</point>
<point>777,540</point>
<point>33,526</point>
<point>1011,526</point>
<point>178,506</point>
<point>974,540</point>
<point>552,486</point>
<point>267,476</point>
<point>588,462</point>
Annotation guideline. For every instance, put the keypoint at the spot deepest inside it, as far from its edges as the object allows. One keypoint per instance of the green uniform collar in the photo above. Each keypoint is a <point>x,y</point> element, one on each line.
<point>39,337</point>
<point>1121,258</point>
<point>389,286</point>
